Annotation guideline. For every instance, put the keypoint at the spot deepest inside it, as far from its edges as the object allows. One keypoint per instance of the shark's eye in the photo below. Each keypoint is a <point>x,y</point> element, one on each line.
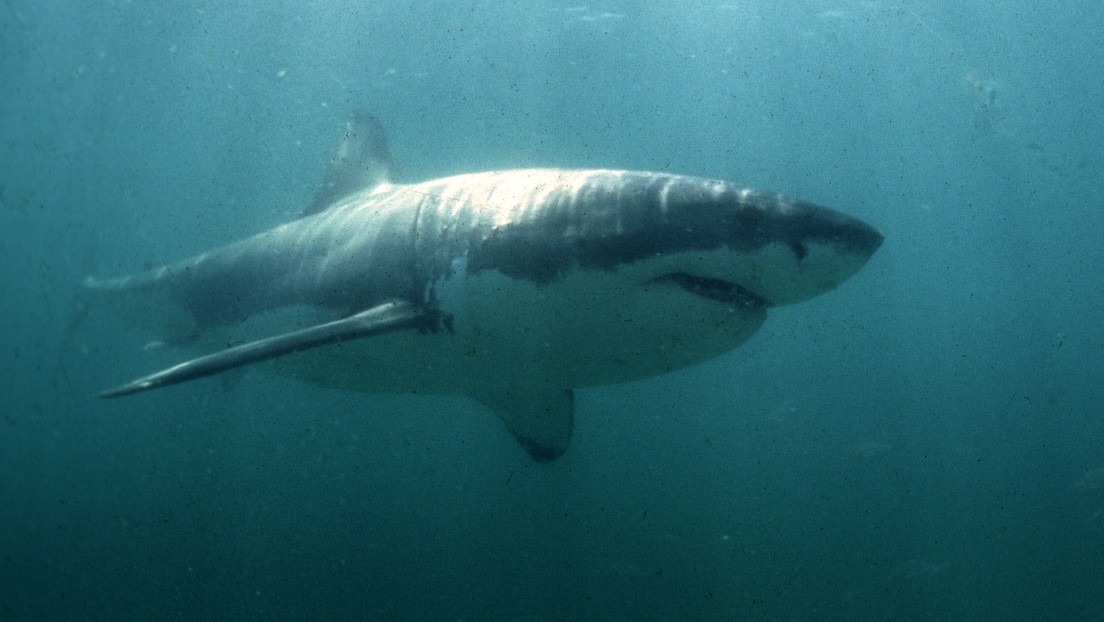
<point>799,250</point>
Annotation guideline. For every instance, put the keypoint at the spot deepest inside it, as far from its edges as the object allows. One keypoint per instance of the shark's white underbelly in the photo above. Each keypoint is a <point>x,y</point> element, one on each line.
<point>587,328</point>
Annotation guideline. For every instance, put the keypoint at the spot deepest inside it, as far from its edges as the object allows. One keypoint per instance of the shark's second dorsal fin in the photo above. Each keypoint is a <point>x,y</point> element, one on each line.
<point>362,161</point>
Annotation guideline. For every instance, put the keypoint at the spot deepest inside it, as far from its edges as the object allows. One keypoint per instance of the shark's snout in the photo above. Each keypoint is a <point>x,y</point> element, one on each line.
<point>808,250</point>
<point>861,238</point>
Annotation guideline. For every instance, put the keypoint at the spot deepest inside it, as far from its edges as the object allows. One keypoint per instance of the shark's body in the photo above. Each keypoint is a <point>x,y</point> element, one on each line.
<point>512,287</point>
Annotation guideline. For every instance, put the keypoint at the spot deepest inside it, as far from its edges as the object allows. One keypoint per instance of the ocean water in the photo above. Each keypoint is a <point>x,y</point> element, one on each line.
<point>924,443</point>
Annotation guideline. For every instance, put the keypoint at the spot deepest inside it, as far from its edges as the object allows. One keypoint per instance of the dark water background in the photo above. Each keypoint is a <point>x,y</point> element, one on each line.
<point>925,443</point>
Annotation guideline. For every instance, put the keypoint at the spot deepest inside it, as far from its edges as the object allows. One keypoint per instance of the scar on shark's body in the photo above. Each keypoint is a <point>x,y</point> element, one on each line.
<point>511,287</point>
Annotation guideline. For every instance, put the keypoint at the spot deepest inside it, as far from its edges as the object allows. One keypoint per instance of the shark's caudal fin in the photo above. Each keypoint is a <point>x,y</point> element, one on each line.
<point>362,161</point>
<point>377,320</point>
<point>146,301</point>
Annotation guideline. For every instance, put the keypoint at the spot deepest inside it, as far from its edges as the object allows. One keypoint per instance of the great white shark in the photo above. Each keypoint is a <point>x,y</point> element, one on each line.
<point>512,287</point>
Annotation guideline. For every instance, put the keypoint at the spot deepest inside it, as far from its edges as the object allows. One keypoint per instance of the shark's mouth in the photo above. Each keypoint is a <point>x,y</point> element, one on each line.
<point>716,289</point>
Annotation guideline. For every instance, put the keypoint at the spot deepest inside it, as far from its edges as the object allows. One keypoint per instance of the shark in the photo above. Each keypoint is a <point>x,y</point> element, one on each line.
<point>512,287</point>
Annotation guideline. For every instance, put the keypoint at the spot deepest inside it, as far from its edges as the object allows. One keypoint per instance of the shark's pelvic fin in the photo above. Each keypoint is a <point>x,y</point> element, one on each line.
<point>384,318</point>
<point>362,161</point>
<point>539,417</point>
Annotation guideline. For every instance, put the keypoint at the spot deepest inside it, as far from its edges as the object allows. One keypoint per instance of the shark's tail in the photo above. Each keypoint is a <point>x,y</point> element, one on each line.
<point>146,301</point>
<point>135,282</point>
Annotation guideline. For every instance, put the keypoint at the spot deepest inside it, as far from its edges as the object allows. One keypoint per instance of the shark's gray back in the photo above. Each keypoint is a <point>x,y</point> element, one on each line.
<point>534,225</point>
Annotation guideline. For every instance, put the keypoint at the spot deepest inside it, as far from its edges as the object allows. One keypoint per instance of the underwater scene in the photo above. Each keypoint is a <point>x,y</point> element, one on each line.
<point>541,311</point>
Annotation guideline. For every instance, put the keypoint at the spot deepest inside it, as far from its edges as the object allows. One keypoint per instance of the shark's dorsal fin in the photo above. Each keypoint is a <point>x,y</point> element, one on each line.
<point>377,320</point>
<point>362,161</point>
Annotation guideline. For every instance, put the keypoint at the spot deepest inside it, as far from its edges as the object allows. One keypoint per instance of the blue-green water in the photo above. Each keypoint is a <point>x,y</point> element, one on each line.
<point>924,443</point>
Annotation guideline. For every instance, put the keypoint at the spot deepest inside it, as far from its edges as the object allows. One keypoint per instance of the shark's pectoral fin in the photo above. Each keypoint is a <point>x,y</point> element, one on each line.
<point>384,318</point>
<point>540,418</point>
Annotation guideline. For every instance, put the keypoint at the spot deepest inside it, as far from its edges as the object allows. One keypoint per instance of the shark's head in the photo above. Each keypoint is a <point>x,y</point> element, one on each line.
<point>718,240</point>
<point>618,275</point>
<point>713,239</point>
